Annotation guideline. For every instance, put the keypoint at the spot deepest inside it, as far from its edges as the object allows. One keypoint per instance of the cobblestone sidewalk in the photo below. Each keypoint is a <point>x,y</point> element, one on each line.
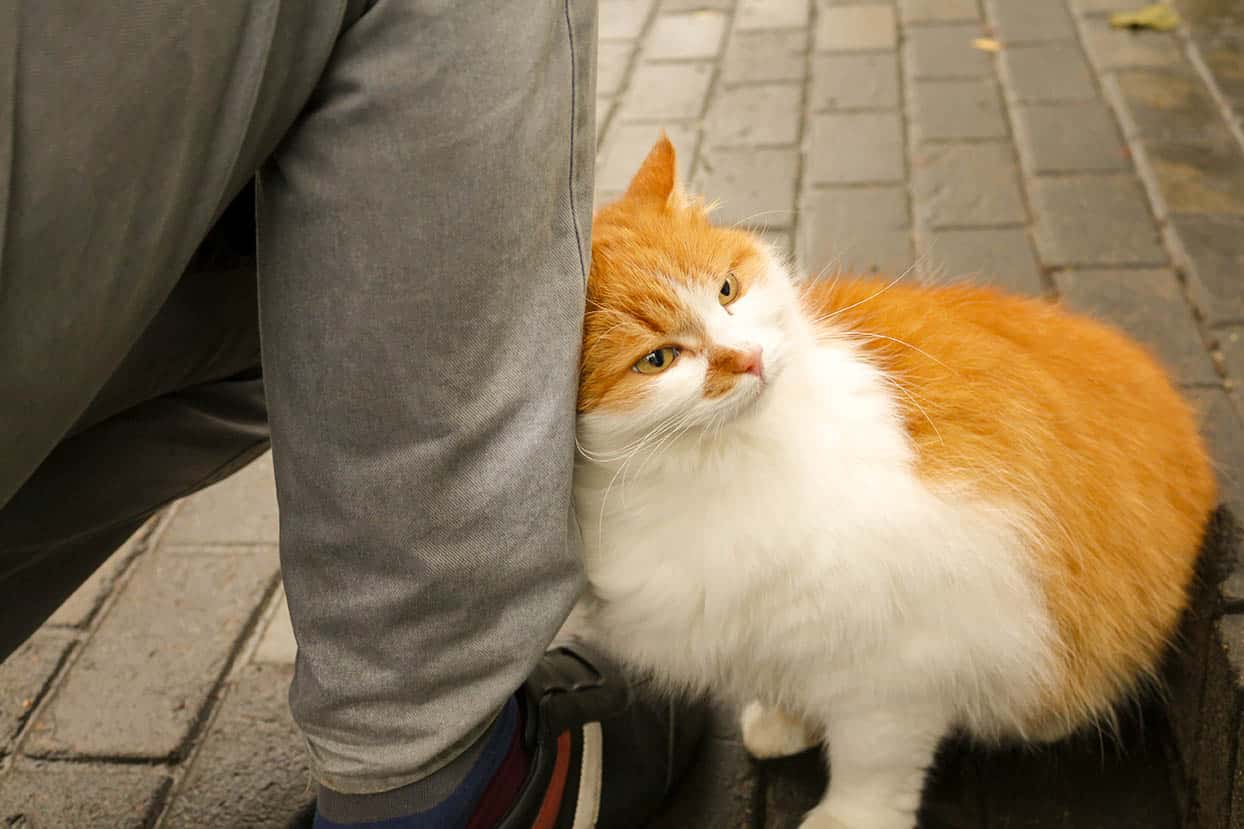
<point>1101,167</point>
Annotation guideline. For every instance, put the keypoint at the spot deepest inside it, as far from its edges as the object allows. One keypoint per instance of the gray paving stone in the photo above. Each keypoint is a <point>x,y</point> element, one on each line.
<point>855,28</point>
<point>81,796</point>
<point>665,92</point>
<point>621,19</point>
<point>241,509</point>
<point>1195,177</point>
<point>1164,106</point>
<point>994,256</point>
<point>761,56</point>
<point>864,81</point>
<point>78,609</point>
<point>612,60</point>
<point>277,645</point>
<point>719,790</point>
<point>945,52</point>
<point>604,109</point>
<point>1210,251</point>
<point>24,678</point>
<point>966,185</point>
<point>855,230</point>
<point>138,689</point>
<point>751,15</point>
<point>685,36</point>
<point>252,767</point>
<point>1023,21</point>
<point>1094,220</point>
<point>1047,72</point>
<point>946,110</point>
<point>856,148</point>
<point>627,145</point>
<point>753,185</point>
<point>1071,137</point>
<point>1149,305</point>
<point>938,11</point>
<point>1222,426</point>
<point>1110,48</point>
<point>748,116</point>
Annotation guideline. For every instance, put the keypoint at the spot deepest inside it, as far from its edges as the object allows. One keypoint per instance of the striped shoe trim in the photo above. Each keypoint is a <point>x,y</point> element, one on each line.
<point>588,807</point>
<point>551,805</point>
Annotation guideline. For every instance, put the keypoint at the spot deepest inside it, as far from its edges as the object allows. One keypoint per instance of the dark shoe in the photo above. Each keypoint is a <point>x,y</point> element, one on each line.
<point>599,744</point>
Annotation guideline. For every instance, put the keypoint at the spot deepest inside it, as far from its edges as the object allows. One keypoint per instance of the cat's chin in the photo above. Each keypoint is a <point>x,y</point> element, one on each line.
<point>748,401</point>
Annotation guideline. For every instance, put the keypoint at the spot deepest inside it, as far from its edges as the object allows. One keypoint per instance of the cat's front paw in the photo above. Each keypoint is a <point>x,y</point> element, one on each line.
<point>771,732</point>
<point>830,815</point>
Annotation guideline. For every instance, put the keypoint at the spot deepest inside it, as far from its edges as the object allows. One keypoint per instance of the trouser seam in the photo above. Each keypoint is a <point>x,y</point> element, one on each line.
<point>574,108</point>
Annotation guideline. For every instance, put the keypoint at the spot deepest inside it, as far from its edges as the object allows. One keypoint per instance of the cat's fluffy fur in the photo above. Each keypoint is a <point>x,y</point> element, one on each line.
<point>939,508</point>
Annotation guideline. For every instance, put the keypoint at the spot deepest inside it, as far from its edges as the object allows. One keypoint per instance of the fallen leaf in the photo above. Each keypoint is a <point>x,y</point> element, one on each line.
<point>1158,17</point>
<point>986,44</point>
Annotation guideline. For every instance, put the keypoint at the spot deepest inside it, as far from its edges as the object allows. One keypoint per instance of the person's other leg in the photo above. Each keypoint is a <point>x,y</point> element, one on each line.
<point>423,243</point>
<point>125,130</point>
<point>183,409</point>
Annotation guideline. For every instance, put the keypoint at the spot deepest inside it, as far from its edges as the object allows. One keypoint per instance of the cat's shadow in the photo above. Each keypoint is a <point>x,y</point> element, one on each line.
<point>1084,782</point>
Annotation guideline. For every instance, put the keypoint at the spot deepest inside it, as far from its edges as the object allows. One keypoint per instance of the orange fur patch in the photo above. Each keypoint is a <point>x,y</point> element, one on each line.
<point>1079,426</point>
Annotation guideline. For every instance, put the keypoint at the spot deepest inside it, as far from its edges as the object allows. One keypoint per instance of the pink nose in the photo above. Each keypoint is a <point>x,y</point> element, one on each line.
<point>753,362</point>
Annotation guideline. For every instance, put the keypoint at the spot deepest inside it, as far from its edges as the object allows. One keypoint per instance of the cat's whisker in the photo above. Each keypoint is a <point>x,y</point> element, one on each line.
<point>911,399</point>
<point>868,336</point>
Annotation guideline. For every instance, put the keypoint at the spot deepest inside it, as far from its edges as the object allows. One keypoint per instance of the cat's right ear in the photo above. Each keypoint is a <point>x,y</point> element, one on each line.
<point>656,179</point>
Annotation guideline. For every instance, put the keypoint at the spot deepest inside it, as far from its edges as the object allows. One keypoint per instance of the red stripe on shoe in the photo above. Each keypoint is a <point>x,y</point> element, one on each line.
<point>552,803</point>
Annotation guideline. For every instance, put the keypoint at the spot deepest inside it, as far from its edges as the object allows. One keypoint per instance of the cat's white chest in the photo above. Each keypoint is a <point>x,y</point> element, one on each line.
<point>802,556</point>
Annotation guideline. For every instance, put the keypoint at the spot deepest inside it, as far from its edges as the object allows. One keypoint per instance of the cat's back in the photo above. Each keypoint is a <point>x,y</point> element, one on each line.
<point>1029,404</point>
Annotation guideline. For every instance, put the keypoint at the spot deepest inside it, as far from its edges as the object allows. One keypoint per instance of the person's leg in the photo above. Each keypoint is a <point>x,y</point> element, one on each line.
<point>423,244</point>
<point>422,261</point>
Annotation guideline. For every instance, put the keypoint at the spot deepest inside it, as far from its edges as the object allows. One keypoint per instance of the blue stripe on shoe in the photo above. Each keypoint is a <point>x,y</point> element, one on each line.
<point>454,811</point>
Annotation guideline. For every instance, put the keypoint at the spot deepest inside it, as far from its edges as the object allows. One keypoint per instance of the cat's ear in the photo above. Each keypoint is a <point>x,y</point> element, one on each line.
<point>656,180</point>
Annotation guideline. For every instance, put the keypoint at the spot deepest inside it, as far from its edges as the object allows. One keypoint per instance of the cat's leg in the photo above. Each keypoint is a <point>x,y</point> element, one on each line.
<point>771,732</point>
<point>878,761</point>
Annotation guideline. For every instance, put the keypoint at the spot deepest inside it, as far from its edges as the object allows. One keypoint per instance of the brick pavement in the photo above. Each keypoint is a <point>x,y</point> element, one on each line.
<point>1100,167</point>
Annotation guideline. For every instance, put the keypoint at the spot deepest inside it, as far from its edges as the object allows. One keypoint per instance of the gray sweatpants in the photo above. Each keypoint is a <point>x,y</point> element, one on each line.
<point>423,175</point>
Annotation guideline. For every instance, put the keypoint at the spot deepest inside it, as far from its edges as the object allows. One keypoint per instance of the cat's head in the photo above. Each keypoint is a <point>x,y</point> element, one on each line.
<point>687,322</point>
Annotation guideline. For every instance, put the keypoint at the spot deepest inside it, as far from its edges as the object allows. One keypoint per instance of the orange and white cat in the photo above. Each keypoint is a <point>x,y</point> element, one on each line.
<point>871,512</point>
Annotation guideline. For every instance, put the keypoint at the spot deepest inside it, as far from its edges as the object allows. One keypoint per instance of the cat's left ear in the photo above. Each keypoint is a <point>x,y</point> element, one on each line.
<point>657,179</point>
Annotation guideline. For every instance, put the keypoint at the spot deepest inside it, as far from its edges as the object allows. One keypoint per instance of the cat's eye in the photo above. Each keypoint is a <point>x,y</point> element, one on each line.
<point>729,289</point>
<point>657,361</point>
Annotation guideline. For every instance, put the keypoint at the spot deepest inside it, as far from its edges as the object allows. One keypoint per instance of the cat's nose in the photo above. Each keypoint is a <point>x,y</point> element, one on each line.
<point>753,362</point>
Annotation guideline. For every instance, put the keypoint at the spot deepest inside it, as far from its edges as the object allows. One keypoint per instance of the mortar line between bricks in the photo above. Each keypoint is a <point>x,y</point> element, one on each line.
<point>150,535</point>
<point>794,249</point>
<point>856,185</point>
<point>1000,77</point>
<point>1142,168</point>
